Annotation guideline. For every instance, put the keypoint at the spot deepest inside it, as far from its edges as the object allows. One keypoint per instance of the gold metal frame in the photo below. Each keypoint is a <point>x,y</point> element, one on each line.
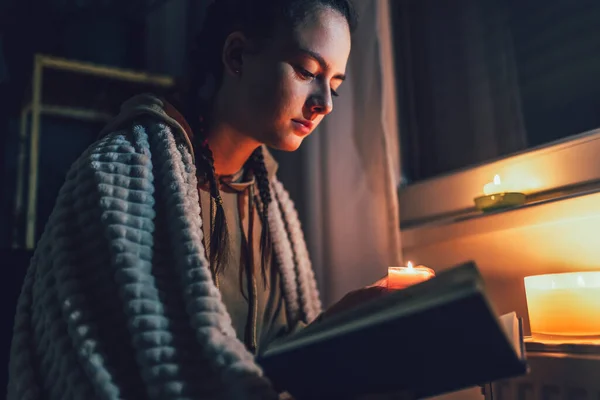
<point>29,136</point>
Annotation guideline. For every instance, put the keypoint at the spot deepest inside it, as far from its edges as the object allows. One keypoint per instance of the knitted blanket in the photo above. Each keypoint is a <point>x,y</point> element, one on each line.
<point>119,303</point>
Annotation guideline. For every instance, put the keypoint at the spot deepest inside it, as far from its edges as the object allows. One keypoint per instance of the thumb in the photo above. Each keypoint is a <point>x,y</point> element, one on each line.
<point>383,282</point>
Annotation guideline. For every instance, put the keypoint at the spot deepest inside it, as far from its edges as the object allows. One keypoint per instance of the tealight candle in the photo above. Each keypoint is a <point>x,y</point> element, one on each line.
<point>495,187</point>
<point>497,195</point>
<point>564,304</point>
<point>403,277</point>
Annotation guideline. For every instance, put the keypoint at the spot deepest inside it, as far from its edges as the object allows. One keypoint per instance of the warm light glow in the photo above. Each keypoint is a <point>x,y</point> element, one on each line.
<point>494,187</point>
<point>564,304</point>
<point>403,277</point>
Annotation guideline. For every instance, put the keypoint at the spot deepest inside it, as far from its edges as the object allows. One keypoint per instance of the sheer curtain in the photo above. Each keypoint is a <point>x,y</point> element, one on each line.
<point>345,175</point>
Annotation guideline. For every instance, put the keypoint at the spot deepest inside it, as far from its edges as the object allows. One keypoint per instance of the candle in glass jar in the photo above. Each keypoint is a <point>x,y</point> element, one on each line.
<point>564,304</point>
<point>403,277</point>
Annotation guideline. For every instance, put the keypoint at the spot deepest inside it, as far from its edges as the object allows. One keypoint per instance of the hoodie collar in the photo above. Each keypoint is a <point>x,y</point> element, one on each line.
<point>148,104</point>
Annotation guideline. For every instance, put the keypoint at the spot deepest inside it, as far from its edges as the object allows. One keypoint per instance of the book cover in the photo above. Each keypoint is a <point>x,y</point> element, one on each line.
<point>435,337</point>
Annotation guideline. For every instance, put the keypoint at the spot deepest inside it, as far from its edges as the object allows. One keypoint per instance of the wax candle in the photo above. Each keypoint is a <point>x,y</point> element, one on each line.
<point>402,277</point>
<point>564,304</point>
<point>495,187</point>
<point>498,195</point>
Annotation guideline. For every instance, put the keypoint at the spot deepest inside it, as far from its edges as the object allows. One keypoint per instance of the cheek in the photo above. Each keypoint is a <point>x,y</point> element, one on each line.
<point>281,96</point>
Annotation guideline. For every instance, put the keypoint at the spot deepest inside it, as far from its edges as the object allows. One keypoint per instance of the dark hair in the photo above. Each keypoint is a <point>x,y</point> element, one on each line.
<point>257,19</point>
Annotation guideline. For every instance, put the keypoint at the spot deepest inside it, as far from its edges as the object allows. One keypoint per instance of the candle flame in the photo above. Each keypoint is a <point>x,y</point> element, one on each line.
<point>493,187</point>
<point>410,265</point>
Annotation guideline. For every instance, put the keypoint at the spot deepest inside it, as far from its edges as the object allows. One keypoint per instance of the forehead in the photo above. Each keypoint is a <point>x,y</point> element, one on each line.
<point>325,32</point>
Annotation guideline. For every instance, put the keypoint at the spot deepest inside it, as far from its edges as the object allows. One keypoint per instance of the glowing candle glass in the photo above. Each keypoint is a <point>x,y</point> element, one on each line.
<point>564,304</point>
<point>403,277</point>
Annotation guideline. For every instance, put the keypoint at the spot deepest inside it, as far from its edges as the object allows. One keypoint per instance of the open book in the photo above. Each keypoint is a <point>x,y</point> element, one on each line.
<point>435,337</point>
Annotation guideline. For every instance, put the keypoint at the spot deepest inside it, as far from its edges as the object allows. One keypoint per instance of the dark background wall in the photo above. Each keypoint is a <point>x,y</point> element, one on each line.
<point>147,35</point>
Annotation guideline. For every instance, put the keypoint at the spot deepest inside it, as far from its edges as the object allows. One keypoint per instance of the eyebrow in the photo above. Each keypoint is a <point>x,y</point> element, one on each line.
<point>318,58</point>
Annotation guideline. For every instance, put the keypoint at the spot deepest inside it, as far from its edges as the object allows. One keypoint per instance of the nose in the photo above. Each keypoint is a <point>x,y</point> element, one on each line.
<point>321,103</point>
<point>323,109</point>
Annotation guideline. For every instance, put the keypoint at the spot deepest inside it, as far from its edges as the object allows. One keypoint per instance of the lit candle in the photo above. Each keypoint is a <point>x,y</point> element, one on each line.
<point>498,195</point>
<point>564,304</point>
<point>403,277</point>
<point>494,187</point>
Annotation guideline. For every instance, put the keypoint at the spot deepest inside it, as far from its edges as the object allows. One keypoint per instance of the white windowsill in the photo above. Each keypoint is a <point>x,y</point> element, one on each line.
<point>566,163</point>
<point>575,207</point>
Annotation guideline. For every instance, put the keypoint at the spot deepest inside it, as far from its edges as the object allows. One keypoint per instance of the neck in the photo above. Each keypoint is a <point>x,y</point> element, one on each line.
<point>230,149</point>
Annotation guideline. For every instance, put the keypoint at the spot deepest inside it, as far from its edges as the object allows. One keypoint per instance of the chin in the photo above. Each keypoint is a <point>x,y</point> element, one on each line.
<point>288,143</point>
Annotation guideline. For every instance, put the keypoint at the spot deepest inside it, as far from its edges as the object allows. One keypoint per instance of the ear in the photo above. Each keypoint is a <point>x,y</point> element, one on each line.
<point>233,53</point>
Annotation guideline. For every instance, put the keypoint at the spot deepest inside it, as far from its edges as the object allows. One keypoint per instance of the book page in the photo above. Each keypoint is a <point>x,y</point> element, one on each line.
<point>511,326</point>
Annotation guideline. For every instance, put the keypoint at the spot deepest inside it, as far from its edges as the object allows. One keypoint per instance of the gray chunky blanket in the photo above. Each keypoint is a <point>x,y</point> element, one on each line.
<point>119,303</point>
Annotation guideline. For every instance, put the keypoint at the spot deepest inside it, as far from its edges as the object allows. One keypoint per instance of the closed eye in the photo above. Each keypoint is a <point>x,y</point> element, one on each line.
<point>305,74</point>
<point>310,76</point>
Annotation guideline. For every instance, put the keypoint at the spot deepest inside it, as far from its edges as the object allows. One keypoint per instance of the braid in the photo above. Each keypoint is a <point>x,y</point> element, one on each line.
<point>205,62</point>
<point>219,235</point>
<point>257,164</point>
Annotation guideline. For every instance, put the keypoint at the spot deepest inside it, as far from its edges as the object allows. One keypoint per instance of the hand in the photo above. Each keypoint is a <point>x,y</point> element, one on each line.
<point>358,297</point>
<point>383,282</point>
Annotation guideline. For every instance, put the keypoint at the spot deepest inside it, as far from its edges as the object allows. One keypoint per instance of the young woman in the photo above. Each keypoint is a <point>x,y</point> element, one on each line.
<point>173,254</point>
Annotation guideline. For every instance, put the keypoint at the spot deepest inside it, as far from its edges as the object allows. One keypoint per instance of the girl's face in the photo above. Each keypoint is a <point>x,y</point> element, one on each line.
<point>283,91</point>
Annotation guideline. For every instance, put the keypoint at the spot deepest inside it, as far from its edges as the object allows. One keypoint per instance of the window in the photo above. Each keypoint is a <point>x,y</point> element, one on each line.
<point>484,79</point>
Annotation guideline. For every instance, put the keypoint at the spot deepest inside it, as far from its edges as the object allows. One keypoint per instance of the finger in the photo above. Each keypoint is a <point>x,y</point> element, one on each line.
<point>383,282</point>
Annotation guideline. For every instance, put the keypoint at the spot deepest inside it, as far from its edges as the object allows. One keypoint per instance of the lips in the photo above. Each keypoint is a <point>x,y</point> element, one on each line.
<point>308,124</point>
<point>303,126</point>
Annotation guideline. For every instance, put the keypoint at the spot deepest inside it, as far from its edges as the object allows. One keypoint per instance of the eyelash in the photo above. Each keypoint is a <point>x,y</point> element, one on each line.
<point>307,75</point>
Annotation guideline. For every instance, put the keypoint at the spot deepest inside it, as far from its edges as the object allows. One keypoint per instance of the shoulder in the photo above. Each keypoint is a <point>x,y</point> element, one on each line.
<point>124,144</point>
<point>120,159</point>
<point>150,113</point>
